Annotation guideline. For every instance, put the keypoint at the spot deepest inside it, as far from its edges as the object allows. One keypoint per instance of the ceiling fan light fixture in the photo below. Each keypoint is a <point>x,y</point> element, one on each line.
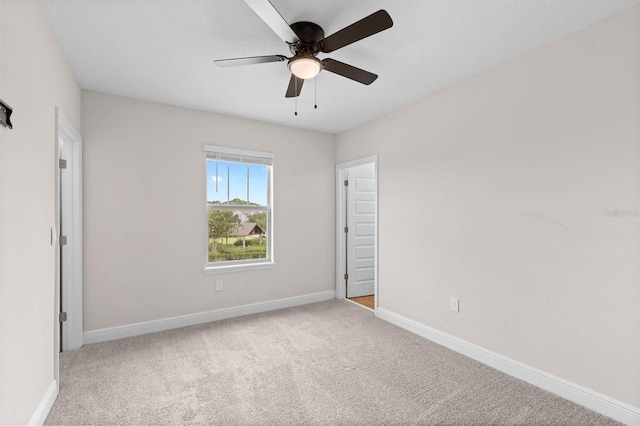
<point>305,67</point>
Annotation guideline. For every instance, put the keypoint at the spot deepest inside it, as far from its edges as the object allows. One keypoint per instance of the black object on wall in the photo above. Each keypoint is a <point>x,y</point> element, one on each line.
<point>5,114</point>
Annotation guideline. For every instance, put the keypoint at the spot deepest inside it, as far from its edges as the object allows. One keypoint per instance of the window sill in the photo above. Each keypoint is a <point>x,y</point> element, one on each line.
<point>224,269</point>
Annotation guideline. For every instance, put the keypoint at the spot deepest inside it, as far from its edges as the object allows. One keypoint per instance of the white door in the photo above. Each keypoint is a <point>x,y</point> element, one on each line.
<point>361,232</point>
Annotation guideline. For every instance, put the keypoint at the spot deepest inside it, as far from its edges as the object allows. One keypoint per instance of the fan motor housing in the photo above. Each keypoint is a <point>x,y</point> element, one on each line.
<point>309,34</point>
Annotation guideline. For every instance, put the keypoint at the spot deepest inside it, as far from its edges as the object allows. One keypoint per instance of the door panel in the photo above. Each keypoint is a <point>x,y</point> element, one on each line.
<point>365,207</point>
<point>361,207</point>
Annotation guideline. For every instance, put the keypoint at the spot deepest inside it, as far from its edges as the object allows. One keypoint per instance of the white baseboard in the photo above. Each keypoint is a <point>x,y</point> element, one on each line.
<point>140,328</point>
<point>45,405</point>
<point>588,398</point>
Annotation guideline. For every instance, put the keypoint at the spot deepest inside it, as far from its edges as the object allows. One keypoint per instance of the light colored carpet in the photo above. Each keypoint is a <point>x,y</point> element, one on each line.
<point>330,363</point>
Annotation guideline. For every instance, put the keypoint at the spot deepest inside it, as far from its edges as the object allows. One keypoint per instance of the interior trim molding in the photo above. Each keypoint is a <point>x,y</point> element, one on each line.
<point>41,413</point>
<point>120,332</point>
<point>69,218</point>
<point>588,398</point>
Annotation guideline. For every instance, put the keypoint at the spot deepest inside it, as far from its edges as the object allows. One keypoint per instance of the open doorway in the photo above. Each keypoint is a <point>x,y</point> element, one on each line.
<point>357,213</point>
<point>68,239</point>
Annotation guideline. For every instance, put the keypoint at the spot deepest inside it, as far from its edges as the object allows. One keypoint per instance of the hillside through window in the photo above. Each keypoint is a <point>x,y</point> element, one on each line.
<point>238,207</point>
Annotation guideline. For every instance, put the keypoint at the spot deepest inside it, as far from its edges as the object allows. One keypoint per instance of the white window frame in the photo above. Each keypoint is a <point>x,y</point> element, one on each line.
<point>250,264</point>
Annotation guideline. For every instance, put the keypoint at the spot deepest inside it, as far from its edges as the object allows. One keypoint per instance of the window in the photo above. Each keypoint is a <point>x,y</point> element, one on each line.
<point>239,213</point>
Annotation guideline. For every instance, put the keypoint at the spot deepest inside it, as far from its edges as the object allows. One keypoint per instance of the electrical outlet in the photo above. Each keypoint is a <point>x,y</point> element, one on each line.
<point>219,286</point>
<point>455,304</point>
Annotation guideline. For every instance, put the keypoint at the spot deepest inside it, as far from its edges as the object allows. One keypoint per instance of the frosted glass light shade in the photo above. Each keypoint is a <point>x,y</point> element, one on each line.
<point>305,67</point>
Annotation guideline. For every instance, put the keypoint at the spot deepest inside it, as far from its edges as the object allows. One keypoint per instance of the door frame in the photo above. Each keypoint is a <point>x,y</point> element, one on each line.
<point>71,286</point>
<point>341,173</point>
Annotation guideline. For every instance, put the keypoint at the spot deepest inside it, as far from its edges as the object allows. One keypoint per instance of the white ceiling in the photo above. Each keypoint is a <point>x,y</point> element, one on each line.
<point>163,50</point>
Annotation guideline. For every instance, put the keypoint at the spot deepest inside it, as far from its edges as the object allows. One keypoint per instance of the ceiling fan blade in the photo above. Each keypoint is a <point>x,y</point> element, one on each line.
<point>372,24</point>
<point>265,10</point>
<point>349,71</point>
<point>249,60</point>
<point>295,87</point>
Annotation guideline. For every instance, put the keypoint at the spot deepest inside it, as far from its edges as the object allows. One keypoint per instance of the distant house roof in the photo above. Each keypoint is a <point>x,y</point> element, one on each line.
<point>248,228</point>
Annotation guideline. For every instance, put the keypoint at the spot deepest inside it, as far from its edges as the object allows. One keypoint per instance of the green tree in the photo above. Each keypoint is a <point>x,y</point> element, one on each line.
<point>222,223</point>
<point>234,202</point>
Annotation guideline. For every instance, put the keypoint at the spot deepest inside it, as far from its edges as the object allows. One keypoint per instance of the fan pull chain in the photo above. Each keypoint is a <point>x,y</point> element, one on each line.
<point>315,87</point>
<point>295,85</point>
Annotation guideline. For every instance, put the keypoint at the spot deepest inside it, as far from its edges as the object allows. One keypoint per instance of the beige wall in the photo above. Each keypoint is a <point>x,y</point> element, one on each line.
<point>34,79</point>
<point>145,227</point>
<point>506,177</point>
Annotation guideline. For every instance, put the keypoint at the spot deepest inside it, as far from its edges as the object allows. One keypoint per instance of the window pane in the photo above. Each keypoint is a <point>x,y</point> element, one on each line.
<point>237,234</point>
<point>230,183</point>
<point>258,185</point>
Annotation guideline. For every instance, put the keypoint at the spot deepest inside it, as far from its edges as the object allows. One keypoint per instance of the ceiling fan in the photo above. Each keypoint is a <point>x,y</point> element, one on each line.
<point>306,40</point>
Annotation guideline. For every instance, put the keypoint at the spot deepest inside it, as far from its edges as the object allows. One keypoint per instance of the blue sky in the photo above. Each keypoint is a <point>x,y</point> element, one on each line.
<point>234,177</point>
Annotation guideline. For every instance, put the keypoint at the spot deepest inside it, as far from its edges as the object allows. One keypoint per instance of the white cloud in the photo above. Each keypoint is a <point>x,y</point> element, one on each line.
<point>216,178</point>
